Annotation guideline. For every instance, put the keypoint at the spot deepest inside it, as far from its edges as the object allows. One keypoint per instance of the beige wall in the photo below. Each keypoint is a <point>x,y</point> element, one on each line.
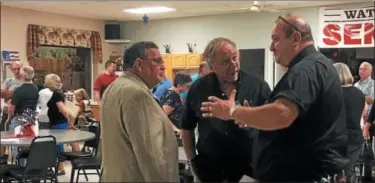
<point>14,30</point>
<point>249,30</point>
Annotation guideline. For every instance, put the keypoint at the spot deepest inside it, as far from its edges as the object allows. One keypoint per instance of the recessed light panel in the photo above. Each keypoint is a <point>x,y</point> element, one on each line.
<point>148,10</point>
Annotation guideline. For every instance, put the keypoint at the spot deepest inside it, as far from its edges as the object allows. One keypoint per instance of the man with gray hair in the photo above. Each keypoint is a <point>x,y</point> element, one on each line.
<point>8,87</point>
<point>366,83</point>
<point>224,149</point>
<point>133,123</point>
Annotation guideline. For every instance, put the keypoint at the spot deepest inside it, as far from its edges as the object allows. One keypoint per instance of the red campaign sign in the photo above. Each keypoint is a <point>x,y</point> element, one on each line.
<point>346,28</point>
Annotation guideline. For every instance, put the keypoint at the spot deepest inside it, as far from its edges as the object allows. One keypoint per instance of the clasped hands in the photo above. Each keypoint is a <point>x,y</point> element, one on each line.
<point>219,108</point>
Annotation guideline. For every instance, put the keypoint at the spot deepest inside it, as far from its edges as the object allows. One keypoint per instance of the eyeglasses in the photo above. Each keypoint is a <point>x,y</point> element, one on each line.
<point>16,69</point>
<point>158,61</point>
<point>287,22</point>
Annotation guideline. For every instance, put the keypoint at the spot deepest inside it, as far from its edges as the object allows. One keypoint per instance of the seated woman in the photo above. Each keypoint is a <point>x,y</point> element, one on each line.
<point>171,100</point>
<point>83,100</point>
<point>58,113</point>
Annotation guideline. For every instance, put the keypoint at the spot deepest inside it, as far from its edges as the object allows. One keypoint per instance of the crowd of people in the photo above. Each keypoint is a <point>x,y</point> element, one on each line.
<point>310,126</point>
<point>20,94</point>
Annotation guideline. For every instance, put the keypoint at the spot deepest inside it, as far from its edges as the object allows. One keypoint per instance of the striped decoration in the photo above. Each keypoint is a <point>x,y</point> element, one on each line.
<point>10,56</point>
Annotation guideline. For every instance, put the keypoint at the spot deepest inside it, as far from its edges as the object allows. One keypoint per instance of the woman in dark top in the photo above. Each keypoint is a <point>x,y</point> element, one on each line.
<point>171,100</point>
<point>58,113</point>
<point>355,110</point>
<point>368,129</point>
<point>24,98</point>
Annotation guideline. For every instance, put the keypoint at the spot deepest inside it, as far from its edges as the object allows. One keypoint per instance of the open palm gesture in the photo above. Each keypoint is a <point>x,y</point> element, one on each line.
<point>218,108</point>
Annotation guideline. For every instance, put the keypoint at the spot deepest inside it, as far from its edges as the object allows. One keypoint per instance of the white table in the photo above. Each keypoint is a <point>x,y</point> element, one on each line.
<point>62,137</point>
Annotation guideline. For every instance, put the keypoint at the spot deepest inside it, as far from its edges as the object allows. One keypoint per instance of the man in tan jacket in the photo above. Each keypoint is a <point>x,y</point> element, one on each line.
<point>138,143</point>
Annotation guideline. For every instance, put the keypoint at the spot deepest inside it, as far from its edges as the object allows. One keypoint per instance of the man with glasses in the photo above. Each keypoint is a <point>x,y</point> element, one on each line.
<point>302,129</point>
<point>138,142</point>
<point>224,149</point>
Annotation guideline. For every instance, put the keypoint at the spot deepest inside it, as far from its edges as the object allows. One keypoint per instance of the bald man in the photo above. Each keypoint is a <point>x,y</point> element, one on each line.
<point>301,130</point>
<point>366,83</point>
<point>7,89</point>
<point>9,85</point>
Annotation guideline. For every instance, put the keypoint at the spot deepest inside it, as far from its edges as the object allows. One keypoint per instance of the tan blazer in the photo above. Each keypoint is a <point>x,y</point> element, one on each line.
<point>138,143</point>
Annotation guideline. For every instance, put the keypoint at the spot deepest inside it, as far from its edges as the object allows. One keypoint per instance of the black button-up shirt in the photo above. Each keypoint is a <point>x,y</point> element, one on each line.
<point>219,139</point>
<point>316,143</point>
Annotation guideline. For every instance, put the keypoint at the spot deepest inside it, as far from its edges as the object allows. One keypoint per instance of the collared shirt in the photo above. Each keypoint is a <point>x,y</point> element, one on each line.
<point>219,139</point>
<point>139,144</point>
<point>103,81</point>
<point>367,87</point>
<point>315,144</point>
<point>162,87</point>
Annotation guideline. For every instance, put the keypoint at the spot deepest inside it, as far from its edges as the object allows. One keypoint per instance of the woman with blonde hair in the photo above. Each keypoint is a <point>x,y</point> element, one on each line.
<point>58,112</point>
<point>355,107</point>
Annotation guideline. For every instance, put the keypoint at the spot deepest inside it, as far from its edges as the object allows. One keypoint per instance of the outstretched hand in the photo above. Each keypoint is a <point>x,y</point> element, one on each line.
<point>218,108</point>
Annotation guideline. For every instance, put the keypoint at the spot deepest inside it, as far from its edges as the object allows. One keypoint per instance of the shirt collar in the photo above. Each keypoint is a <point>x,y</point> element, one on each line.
<point>216,83</point>
<point>308,50</point>
<point>366,80</point>
<point>105,72</point>
<point>137,79</point>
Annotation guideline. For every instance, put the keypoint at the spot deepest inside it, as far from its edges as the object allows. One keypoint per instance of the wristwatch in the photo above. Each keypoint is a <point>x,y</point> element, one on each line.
<point>231,112</point>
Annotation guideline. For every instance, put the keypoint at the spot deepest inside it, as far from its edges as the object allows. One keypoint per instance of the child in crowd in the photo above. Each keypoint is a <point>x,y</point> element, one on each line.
<point>83,101</point>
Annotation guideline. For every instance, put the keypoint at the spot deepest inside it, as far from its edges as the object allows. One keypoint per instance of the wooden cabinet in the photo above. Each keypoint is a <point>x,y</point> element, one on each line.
<point>168,66</point>
<point>193,60</point>
<point>178,61</point>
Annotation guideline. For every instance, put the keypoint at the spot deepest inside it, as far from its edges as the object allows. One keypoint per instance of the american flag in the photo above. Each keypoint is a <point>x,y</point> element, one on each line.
<point>10,56</point>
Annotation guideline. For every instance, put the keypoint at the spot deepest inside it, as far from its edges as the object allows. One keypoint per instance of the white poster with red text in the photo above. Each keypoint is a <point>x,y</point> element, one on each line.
<point>346,28</point>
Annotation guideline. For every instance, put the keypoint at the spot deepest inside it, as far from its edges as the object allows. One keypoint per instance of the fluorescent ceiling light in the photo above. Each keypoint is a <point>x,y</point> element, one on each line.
<point>147,10</point>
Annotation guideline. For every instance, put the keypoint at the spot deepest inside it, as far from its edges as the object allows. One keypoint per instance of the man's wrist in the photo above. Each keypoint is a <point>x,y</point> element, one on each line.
<point>232,110</point>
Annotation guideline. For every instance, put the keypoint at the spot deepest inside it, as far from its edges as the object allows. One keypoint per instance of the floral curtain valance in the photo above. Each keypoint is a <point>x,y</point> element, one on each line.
<point>64,37</point>
<point>54,36</point>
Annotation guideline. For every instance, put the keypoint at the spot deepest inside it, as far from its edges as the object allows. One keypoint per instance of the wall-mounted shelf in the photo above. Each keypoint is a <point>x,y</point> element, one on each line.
<point>117,41</point>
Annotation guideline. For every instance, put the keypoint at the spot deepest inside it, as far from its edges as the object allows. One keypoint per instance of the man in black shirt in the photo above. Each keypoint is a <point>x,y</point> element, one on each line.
<point>224,149</point>
<point>302,130</point>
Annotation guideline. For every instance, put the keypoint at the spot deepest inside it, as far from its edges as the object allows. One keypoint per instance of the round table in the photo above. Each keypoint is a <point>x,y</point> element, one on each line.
<point>62,137</point>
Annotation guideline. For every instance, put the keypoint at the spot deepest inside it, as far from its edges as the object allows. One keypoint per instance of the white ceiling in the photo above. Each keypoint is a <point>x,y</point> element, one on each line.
<point>112,10</point>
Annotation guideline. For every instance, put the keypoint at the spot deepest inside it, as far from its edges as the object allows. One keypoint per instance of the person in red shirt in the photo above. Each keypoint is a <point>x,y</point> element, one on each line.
<point>104,79</point>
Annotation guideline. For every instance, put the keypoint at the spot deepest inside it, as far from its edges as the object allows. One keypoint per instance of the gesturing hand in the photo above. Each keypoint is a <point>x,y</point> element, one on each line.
<point>366,134</point>
<point>218,108</point>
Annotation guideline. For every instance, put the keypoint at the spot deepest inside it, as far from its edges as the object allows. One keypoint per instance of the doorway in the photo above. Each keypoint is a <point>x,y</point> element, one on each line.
<point>252,61</point>
<point>72,64</point>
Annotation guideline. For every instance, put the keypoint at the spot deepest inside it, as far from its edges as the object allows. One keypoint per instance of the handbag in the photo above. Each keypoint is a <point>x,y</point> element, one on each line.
<point>72,109</point>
